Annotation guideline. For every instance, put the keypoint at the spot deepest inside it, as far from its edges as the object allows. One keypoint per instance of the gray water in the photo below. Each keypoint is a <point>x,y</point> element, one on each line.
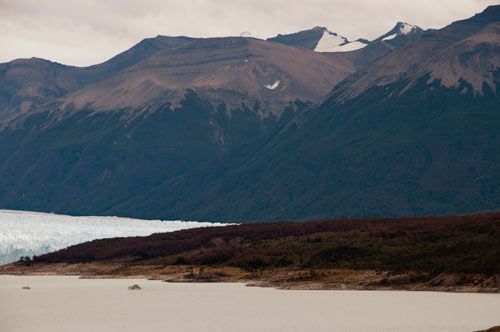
<point>70,304</point>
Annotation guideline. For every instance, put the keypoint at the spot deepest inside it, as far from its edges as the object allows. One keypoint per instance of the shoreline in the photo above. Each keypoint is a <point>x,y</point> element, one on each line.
<point>251,284</point>
<point>423,254</point>
<point>284,279</point>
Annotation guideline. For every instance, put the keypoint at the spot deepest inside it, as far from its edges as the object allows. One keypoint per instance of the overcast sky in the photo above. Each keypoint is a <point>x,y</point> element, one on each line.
<point>91,31</point>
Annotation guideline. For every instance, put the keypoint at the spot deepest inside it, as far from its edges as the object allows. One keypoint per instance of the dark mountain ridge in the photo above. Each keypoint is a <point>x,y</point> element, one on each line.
<point>306,39</point>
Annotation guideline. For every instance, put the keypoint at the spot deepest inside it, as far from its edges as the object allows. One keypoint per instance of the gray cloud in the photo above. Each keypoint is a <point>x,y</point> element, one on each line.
<point>91,31</point>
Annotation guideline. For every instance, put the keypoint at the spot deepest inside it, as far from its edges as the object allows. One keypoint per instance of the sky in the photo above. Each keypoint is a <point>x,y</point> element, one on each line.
<point>87,32</point>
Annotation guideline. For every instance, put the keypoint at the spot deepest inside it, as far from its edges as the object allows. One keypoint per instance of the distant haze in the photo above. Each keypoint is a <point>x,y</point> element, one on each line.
<point>88,32</point>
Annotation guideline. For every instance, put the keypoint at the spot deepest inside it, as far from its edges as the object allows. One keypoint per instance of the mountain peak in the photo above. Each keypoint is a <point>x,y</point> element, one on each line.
<point>406,28</point>
<point>492,12</point>
<point>303,39</point>
<point>401,29</point>
<point>320,39</point>
<point>319,28</point>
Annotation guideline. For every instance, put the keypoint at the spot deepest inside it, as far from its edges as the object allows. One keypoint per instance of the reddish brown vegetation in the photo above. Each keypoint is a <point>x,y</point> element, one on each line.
<point>461,244</point>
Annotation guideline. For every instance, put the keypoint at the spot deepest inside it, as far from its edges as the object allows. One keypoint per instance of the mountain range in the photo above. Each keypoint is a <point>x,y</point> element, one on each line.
<point>360,53</point>
<point>299,126</point>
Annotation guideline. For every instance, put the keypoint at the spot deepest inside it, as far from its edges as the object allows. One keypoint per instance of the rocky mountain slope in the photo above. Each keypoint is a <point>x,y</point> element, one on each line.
<point>466,52</point>
<point>231,71</point>
<point>407,136</point>
<point>95,136</point>
<point>235,72</point>
<point>26,84</point>
<point>226,129</point>
<point>320,39</point>
<point>360,53</point>
<point>401,31</point>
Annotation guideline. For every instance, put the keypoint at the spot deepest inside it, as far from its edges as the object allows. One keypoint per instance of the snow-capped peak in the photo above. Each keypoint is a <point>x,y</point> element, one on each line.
<point>401,29</point>
<point>405,28</point>
<point>332,42</point>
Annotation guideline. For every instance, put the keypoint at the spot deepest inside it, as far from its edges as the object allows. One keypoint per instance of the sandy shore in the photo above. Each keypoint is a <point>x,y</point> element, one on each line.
<point>283,278</point>
<point>71,304</point>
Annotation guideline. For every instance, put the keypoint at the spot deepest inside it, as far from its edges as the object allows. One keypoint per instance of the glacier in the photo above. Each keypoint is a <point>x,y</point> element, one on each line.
<point>24,233</point>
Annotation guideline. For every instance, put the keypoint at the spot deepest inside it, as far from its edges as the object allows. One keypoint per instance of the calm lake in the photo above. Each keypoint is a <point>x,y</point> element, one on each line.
<point>70,304</point>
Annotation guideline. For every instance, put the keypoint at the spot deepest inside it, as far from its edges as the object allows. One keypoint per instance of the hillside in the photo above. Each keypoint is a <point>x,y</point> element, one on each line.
<point>27,84</point>
<point>234,72</point>
<point>81,140</point>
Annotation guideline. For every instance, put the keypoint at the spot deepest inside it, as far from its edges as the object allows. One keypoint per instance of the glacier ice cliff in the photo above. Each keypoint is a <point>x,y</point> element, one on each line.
<point>24,233</point>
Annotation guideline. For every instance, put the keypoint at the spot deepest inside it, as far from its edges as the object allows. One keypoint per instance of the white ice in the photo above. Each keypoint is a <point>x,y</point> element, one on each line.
<point>24,233</point>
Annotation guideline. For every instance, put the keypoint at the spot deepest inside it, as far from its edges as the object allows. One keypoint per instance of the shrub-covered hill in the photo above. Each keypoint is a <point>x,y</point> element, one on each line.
<point>451,244</point>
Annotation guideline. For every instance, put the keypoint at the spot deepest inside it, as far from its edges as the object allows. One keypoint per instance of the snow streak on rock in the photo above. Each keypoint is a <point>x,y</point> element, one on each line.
<point>273,86</point>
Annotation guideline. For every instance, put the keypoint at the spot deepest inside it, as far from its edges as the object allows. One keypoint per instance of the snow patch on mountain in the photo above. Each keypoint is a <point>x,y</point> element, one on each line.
<point>273,86</point>
<point>390,37</point>
<point>25,233</point>
<point>331,42</point>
